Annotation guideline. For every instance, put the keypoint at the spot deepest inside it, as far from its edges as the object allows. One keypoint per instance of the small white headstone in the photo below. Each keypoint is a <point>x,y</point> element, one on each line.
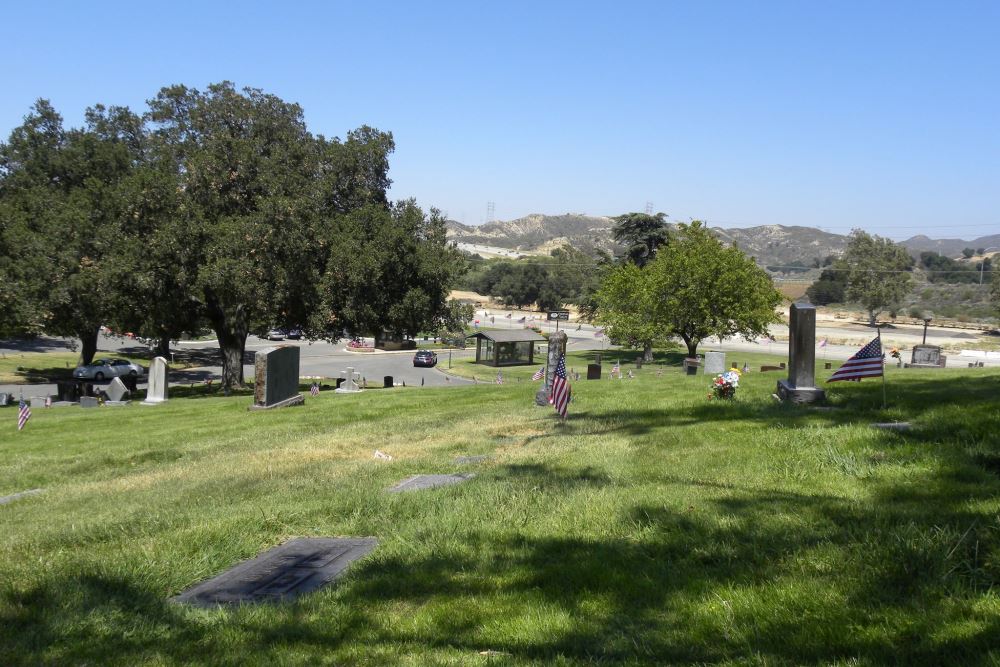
<point>350,383</point>
<point>117,390</point>
<point>156,391</point>
<point>715,363</point>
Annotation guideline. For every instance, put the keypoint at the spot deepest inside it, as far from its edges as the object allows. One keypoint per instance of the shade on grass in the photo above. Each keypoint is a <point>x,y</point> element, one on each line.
<point>655,526</point>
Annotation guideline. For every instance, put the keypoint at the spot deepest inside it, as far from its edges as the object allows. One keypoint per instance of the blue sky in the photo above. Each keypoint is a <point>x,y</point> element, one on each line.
<point>884,116</point>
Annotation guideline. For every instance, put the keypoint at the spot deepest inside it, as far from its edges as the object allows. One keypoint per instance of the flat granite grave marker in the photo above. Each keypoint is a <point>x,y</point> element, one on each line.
<point>17,496</point>
<point>156,390</point>
<point>283,573</point>
<point>421,482</point>
<point>800,387</point>
<point>473,459</point>
<point>276,378</point>
<point>715,362</point>
<point>117,392</point>
<point>89,402</point>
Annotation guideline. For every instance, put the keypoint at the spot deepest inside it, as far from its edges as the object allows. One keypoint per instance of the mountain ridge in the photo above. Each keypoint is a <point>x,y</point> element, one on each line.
<point>777,245</point>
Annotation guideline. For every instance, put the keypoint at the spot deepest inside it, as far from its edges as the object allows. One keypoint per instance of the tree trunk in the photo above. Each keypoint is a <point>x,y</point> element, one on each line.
<point>163,347</point>
<point>647,353</point>
<point>692,345</point>
<point>232,332</point>
<point>88,344</point>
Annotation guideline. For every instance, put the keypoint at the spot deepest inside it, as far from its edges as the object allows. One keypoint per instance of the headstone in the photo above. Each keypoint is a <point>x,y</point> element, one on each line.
<point>117,392</point>
<point>276,378</point>
<point>89,402</point>
<point>691,366</point>
<point>156,390</point>
<point>557,348</point>
<point>39,401</point>
<point>593,371</point>
<point>17,496</point>
<point>350,382</point>
<point>473,459</point>
<point>281,574</point>
<point>800,387</point>
<point>421,482</point>
<point>926,356</point>
<point>892,426</point>
<point>715,362</point>
<point>5,399</point>
<point>68,390</point>
<point>387,382</point>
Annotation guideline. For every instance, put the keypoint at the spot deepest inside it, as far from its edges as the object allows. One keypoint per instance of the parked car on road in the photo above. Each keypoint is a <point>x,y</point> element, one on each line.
<point>276,334</point>
<point>294,334</point>
<point>425,358</point>
<point>105,369</point>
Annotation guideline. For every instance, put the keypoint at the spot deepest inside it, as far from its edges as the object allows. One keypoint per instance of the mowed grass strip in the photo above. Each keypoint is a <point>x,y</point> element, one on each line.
<point>654,526</point>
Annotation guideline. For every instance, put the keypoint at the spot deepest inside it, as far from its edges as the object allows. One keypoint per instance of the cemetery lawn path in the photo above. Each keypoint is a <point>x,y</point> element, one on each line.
<point>653,527</point>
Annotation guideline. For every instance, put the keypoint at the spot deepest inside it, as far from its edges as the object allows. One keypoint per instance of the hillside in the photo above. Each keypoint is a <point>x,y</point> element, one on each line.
<point>769,244</point>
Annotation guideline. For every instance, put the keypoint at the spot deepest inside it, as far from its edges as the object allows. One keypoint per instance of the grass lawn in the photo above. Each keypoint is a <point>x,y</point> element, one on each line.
<point>653,527</point>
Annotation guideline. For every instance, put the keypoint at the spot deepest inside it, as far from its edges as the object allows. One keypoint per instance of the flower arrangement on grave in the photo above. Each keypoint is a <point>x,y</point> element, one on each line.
<point>894,353</point>
<point>725,384</point>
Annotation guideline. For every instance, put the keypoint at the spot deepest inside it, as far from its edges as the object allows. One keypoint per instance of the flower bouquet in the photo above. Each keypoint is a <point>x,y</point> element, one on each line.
<point>894,353</point>
<point>724,385</point>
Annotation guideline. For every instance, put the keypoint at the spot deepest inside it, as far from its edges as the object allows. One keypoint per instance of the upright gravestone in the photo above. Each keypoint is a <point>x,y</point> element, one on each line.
<point>926,356</point>
<point>800,387</point>
<point>350,384</point>
<point>156,390</point>
<point>715,363</point>
<point>117,393</point>
<point>557,348</point>
<point>276,378</point>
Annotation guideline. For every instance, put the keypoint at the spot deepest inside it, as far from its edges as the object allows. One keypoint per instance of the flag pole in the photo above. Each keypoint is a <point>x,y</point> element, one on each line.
<point>879,329</point>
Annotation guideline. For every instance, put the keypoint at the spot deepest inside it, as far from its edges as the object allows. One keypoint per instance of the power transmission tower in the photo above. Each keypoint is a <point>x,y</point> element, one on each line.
<point>491,209</point>
<point>649,208</point>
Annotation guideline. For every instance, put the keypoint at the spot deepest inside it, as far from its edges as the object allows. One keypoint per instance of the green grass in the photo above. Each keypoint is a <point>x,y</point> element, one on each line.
<point>653,527</point>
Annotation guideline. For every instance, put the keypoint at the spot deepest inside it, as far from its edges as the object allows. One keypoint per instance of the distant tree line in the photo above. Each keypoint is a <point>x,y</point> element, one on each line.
<point>218,207</point>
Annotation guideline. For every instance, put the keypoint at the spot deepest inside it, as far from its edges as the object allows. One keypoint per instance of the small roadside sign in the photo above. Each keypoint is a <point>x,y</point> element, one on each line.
<point>558,315</point>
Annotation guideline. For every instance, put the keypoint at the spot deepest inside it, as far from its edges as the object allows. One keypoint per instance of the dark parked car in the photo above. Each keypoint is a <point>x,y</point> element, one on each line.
<point>294,333</point>
<point>425,358</point>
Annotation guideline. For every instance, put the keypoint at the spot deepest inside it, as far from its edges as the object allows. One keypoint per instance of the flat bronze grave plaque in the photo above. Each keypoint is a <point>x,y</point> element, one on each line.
<point>421,482</point>
<point>473,459</point>
<point>283,573</point>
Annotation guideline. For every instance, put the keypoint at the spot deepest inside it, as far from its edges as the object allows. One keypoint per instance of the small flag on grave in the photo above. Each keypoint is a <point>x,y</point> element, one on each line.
<point>23,415</point>
<point>314,389</point>
<point>560,388</point>
<point>499,377</point>
<point>866,363</point>
<point>539,374</point>
<point>822,343</point>
<point>616,369</point>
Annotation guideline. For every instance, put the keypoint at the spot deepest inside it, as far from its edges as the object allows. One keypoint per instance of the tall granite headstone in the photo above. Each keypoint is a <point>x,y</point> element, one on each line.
<point>350,384</point>
<point>557,348</point>
<point>276,378</point>
<point>800,387</point>
<point>156,390</point>
<point>715,362</point>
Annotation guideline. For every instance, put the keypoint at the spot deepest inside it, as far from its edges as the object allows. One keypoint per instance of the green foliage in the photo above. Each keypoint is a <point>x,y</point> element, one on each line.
<point>641,234</point>
<point>830,287</point>
<point>942,269</point>
<point>967,252</point>
<point>878,272</point>
<point>995,292</point>
<point>695,288</point>
<point>568,275</point>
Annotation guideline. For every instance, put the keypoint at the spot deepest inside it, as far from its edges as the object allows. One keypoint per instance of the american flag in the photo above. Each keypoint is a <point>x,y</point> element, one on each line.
<point>507,316</point>
<point>539,374</point>
<point>822,343</point>
<point>521,320</point>
<point>559,398</point>
<point>499,377</point>
<point>598,333</point>
<point>23,415</point>
<point>314,389</point>
<point>866,363</point>
<point>616,369</point>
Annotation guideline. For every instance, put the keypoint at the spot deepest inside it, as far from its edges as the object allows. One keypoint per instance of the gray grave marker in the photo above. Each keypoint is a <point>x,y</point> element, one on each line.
<point>421,482</point>
<point>800,387</point>
<point>350,384</point>
<point>926,356</point>
<point>473,459</point>
<point>715,362</point>
<point>17,496</point>
<point>557,348</point>
<point>89,402</point>
<point>285,572</point>
<point>276,378</point>
<point>893,426</point>
<point>117,392</point>
<point>156,390</point>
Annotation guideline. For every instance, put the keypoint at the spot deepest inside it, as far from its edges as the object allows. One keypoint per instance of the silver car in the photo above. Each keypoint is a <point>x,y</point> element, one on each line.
<point>103,369</point>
